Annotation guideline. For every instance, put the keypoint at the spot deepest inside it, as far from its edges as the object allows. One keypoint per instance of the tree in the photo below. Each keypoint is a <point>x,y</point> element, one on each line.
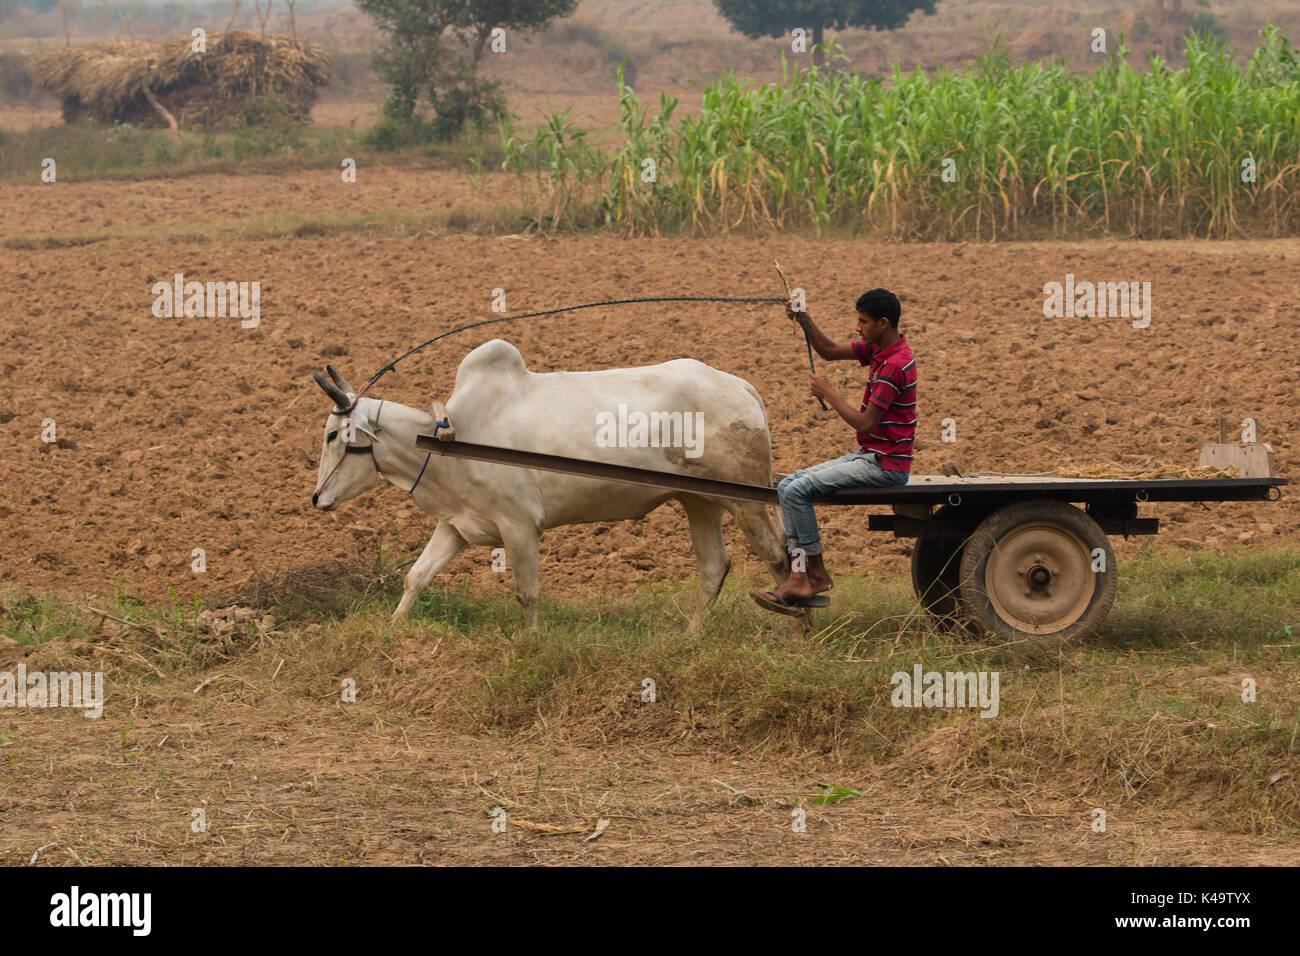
<point>262,17</point>
<point>421,65</point>
<point>774,18</point>
<point>407,61</point>
<point>520,16</point>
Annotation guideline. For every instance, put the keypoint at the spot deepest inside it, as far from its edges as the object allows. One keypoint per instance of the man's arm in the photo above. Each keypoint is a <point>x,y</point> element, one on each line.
<point>862,421</point>
<point>822,343</point>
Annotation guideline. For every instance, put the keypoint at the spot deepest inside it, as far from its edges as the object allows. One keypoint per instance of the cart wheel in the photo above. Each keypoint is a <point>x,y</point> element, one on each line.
<point>936,575</point>
<point>1027,573</point>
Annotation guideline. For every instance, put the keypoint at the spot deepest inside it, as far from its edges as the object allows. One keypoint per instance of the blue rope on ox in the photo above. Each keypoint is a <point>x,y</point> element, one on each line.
<point>422,467</point>
<point>436,425</point>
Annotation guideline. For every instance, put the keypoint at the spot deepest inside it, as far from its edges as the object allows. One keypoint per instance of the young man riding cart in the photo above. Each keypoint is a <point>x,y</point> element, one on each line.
<point>885,423</point>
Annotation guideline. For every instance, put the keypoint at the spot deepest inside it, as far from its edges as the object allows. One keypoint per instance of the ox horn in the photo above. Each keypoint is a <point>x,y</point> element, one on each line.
<point>339,380</point>
<point>342,401</point>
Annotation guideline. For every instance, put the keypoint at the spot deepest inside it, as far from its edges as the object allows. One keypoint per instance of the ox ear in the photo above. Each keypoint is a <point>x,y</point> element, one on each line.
<point>443,429</point>
<point>342,402</point>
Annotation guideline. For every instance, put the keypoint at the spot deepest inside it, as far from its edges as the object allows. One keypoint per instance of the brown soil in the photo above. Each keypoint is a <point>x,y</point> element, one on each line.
<point>81,211</point>
<point>184,433</point>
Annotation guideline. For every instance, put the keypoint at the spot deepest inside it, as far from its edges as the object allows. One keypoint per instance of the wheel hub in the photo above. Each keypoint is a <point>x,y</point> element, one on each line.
<point>1039,578</point>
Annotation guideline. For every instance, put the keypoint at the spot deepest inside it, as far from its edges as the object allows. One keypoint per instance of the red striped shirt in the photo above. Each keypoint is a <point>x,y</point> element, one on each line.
<point>892,388</point>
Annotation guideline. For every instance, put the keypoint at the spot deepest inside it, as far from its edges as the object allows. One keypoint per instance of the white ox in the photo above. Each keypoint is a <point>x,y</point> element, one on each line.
<point>497,401</point>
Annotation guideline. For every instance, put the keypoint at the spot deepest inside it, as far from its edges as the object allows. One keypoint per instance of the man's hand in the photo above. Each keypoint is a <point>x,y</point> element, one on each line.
<point>821,388</point>
<point>820,342</point>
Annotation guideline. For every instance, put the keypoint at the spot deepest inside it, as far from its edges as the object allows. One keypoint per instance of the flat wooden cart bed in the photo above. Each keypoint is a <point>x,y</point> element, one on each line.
<point>1019,556</point>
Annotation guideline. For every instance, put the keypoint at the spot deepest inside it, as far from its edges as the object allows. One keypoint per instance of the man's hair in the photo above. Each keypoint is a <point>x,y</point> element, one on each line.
<point>880,304</point>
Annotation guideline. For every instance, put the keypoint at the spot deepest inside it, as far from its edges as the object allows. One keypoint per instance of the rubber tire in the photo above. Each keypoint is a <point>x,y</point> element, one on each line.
<point>937,561</point>
<point>975,601</point>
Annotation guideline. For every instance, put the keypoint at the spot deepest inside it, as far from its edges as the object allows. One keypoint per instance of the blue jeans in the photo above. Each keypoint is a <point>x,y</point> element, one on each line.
<point>855,470</point>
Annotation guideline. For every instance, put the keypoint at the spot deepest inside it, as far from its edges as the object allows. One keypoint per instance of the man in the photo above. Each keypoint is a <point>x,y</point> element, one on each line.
<point>885,423</point>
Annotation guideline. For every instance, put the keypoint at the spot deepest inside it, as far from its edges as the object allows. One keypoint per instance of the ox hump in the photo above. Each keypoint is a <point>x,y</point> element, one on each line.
<point>495,358</point>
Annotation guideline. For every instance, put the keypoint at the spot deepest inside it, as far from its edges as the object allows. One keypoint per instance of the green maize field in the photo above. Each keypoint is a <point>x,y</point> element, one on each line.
<point>1036,152</point>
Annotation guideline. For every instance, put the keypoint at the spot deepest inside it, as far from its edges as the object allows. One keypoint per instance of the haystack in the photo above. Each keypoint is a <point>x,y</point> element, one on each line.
<point>217,89</point>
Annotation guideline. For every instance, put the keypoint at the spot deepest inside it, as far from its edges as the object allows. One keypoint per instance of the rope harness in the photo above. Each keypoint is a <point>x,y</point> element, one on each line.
<point>370,449</point>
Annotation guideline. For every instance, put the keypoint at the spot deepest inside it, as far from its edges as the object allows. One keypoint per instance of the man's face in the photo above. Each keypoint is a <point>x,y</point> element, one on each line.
<point>871,330</point>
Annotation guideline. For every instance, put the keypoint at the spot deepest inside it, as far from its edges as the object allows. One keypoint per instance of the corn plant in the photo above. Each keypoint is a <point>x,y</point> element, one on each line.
<point>565,169</point>
<point>1034,149</point>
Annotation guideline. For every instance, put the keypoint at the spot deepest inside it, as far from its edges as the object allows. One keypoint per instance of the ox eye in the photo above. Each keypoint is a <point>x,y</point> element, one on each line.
<point>332,436</point>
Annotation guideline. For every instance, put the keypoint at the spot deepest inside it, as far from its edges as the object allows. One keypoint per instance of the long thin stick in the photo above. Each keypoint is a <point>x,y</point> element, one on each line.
<point>567,308</point>
<point>806,339</point>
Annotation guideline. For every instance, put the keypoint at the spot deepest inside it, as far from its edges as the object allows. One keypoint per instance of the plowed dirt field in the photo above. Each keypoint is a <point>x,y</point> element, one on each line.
<point>184,433</point>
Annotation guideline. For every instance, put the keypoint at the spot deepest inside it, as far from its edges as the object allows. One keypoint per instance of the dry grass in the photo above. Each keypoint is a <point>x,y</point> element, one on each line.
<point>1145,470</point>
<point>217,89</point>
<point>460,711</point>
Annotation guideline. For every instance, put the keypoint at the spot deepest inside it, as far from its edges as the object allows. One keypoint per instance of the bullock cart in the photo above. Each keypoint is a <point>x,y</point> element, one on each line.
<point>1020,557</point>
